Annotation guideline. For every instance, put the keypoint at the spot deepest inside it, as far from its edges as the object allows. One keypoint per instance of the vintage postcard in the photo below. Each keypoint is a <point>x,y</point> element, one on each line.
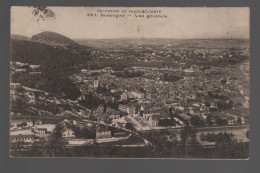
<point>129,82</point>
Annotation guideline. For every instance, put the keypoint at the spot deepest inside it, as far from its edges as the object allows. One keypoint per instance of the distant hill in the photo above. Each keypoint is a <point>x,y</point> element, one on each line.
<point>19,37</point>
<point>137,43</point>
<point>53,38</point>
<point>49,48</point>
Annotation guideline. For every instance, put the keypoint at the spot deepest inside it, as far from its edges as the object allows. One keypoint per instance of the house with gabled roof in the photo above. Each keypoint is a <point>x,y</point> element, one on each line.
<point>66,131</point>
<point>120,95</point>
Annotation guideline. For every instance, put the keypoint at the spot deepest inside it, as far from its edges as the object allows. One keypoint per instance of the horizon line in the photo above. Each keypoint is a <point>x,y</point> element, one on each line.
<point>159,38</point>
<point>176,38</point>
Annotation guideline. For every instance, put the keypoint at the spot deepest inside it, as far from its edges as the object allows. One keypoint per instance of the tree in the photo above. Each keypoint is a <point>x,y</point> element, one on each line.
<point>247,134</point>
<point>166,122</point>
<point>239,120</point>
<point>221,121</point>
<point>91,101</point>
<point>189,141</point>
<point>84,132</point>
<point>223,81</point>
<point>207,104</point>
<point>202,137</point>
<point>228,147</point>
<point>171,78</point>
<point>129,126</point>
<point>210,120</point>
<point>39,148</point>
<point>171,112</point>
<point>101,89</point>
<point>196,121</point>
<point>56,144</point>
<point>222,105</point>
<point>43,13</point>
<point>24,124</point>
<point>164,144</point>
<point>17,147</point>
<point>105,106</point>
<point>119,66</point>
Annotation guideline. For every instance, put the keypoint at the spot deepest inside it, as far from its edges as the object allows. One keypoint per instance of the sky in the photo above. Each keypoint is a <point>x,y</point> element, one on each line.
<point>181,23</point>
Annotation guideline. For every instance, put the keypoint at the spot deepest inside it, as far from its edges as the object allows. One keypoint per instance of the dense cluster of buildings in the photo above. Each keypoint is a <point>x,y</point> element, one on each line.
<point>27,131</point>
<point>161,97</point>
<point>200,91</point>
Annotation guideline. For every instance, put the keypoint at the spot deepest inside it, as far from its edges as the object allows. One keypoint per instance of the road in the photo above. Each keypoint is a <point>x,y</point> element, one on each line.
<point>199,129</point>
<point>236,129</point>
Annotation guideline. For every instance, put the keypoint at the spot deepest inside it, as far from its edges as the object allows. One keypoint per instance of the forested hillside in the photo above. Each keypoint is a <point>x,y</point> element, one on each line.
<point>57,62</point>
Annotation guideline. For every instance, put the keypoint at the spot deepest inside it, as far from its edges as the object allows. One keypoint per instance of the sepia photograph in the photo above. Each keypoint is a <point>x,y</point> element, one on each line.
<point>129,82</point>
